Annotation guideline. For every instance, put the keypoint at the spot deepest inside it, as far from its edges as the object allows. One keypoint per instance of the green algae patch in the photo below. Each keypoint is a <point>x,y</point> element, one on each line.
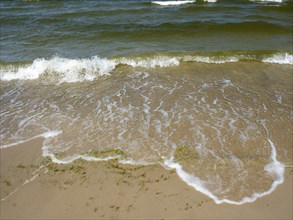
<point>75,167</point>
<point>185,155</point>
<point>46,161</point>
<point>105,153</point>
<point>60,155</point>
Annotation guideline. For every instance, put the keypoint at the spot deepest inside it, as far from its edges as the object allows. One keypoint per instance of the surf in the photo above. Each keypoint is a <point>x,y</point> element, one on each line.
<point>210,122</point>
<point>66,70</point>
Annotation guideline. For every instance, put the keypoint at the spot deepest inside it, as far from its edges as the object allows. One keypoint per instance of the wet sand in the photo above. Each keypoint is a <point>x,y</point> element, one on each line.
<point>32,187</point>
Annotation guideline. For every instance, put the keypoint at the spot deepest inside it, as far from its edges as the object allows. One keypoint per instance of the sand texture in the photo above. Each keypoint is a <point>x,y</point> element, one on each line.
<point>32,187</point>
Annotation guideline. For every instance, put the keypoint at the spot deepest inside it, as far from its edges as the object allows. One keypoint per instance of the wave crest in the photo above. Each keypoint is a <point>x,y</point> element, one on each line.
<point>280,59</point>
<point>168,3</point>
<point>63,70</point>
<point>67,70</point>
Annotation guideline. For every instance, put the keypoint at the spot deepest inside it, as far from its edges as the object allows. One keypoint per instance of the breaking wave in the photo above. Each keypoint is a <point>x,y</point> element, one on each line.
<point>62,70</point>
<point>183,2</point>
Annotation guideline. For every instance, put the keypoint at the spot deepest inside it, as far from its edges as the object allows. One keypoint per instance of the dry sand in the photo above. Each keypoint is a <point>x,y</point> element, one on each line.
<point>34,188</point>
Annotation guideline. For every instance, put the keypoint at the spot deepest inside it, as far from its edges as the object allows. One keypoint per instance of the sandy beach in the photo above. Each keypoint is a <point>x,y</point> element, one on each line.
<point>32,187</point>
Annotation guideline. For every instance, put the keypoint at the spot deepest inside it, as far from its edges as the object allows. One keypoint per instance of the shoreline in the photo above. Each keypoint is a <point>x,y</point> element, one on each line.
<point>134,110</point>
<point>111,190</point>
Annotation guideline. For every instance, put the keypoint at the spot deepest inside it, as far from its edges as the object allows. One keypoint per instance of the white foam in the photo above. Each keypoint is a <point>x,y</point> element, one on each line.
<point>47,153</point>
<point>51,134</point>
<point>73,158</point>
<point>66,70</point>
<point>159,61</point>
<point>131,161</point>
<point>276,169</point>
<point>63,70</point>
<point>168,3</point>
<point>191,180</point>
<point>215,60</point>
<point>168,61</point>
<point>277,1</point>
<point>281,58</point>
<point>76,70</point>
<point>44,135</point>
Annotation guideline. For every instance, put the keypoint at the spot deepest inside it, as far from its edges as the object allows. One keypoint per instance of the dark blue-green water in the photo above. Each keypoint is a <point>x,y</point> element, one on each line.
<point>84,28</point>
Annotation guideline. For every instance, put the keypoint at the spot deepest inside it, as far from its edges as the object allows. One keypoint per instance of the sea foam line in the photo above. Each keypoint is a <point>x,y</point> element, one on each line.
<point>47,134</point>
<point>277,1</point>
<point>180,2</point>
<point>280,59</point>
<point>73,158</point>
<point>67,70</point>
<point>275,169</point>
<point>168,3</point>
<point>183,2</point>
<point>77,70</point>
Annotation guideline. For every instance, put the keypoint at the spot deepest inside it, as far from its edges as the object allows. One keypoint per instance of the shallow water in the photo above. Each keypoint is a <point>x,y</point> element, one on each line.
<point>220,122</point>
